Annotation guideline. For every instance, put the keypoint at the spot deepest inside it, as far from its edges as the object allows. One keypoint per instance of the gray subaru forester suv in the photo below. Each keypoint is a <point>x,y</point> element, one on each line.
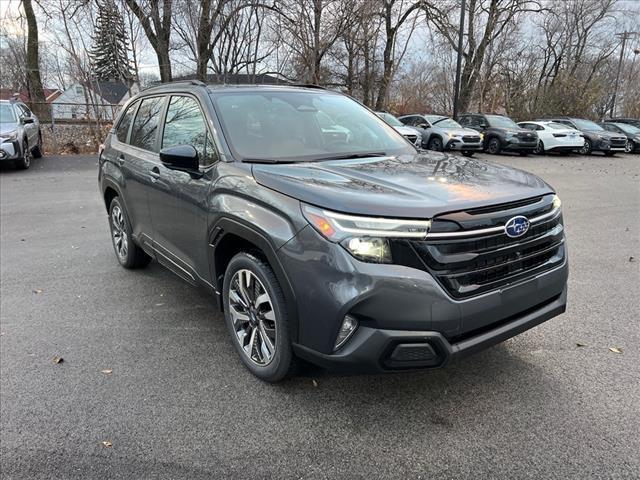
<point>20,136</point>
<point>355,252</point>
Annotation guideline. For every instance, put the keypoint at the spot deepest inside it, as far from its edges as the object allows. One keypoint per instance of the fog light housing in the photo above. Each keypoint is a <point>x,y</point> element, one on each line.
<point>348,327</point>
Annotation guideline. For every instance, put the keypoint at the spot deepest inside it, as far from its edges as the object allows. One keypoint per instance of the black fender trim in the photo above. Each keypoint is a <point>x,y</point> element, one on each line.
<point>226,226</point>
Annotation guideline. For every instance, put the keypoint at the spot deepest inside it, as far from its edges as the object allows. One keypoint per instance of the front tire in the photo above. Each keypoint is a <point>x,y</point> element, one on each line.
<point>587,148</point>
<point>24,162</point>
<point>127,252</point>
<point>539,148</point>
<point>436,144</point>
<point>630,147</point>
<point>494,146</point>
<point>256,317</point>
<point>38,151</point>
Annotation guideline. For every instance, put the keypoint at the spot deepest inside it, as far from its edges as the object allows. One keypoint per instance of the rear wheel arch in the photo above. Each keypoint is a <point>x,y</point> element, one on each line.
<point>229,237</point>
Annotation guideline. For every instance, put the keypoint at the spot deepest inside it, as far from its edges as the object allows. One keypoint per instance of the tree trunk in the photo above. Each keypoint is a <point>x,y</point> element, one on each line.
<point>36,92</point>
<point>164,61</point>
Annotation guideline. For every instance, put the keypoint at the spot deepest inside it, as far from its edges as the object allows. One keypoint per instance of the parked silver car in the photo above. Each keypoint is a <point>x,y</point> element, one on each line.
<point>444,133</point>
<point>20,136</point>
<point>410,133</point>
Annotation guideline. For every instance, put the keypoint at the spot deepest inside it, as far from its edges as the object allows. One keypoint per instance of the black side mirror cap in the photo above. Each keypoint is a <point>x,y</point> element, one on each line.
<point>180,157</point>
<point>25,120</point>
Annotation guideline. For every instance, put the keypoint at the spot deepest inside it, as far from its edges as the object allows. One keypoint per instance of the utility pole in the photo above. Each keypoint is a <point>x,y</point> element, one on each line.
<point>625,36</point>
<point>456,93</point>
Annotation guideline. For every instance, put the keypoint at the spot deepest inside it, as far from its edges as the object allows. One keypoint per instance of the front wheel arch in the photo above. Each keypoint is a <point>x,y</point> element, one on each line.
<point>229,237</point>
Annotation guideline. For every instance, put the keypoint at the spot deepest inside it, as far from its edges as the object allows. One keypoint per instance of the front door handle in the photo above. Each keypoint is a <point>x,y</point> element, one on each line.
<point>155,174</point>
<point>121,160</point>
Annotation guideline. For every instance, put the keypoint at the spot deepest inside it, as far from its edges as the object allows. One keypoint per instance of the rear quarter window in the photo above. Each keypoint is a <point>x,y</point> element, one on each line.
<point>122,130</point>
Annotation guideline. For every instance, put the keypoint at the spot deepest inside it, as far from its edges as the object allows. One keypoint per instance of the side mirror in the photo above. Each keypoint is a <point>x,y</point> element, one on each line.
<point>423,125</point>
<point>180,157</point>
<point>483,126</point>
<point>25,120</point>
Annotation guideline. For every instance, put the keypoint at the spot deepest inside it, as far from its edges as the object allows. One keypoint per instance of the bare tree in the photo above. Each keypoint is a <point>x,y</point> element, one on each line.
<point>155,17</point>
<point>34,80</point>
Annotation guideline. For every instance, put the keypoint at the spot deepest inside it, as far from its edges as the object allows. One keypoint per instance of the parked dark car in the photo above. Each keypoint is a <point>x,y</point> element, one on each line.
<point>596,138</point>
<point>442,133</point>
<point>20,136</point>
<point>631,121</point>
<point>632,133</point>
<point>360,254</point>
<point>500,133</point>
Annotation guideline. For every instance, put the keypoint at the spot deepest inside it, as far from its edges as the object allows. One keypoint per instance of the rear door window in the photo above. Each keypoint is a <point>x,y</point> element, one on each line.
<point>122,131</point>
<point>145,127</point>
<point>185,125</point>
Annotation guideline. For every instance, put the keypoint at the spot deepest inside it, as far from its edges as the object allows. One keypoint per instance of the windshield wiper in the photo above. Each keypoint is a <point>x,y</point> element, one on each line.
<point>265,160</point>
<point>350,156</point>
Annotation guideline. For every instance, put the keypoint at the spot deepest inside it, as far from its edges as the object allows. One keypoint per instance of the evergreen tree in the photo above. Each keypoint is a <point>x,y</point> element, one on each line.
<point>110,50</point>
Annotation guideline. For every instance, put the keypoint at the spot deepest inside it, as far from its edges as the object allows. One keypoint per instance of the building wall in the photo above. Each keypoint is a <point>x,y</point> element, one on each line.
<point>79,109</point>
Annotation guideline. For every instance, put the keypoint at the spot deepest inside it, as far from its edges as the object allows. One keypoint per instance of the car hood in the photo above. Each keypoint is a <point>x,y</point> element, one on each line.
<point>7,127</point>
<point>407,186</point>
<point>406,130</point>
<point>457,131</point>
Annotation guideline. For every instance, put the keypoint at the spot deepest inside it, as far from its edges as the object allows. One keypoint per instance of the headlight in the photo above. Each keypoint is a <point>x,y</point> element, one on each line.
<point>366,238</point>
<point>12,135</point>
<point>556,202</point>
<point>454,135</point>
<point>482,136</point>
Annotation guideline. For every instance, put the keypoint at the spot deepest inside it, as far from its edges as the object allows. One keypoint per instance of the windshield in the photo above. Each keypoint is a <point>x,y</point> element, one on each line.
<point>626,128</point>
<point>446,122</point>
<point>6,113</point>
<point>285,126</point>
<point>587,125</point>
<point>433,118</point>
<point>500,121</point>
<point>390,119</point>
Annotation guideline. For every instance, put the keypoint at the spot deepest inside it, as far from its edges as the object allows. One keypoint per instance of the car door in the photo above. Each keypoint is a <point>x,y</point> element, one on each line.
<point>178,205</point>
<point>137,157</point>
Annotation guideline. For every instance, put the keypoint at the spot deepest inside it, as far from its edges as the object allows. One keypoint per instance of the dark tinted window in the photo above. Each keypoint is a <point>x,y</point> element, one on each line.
<point>145,126</point>
<point>185,125</point>
<point>125,122</point>
<point>24,111</point>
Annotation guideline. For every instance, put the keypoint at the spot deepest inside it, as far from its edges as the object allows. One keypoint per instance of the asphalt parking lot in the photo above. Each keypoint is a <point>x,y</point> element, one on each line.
<point>177,402</point>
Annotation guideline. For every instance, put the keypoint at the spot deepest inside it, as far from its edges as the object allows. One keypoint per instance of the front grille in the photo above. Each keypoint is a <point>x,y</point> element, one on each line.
<point>471,139</point>
<point>470,265</point>
<point>526,137</point>
<point>618,142</point>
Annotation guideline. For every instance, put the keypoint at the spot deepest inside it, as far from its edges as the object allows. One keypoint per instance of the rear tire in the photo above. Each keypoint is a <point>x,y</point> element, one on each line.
<point>24,162</point>
<point>127,252</point>
<point>539,148</point>
<point>256,317</point>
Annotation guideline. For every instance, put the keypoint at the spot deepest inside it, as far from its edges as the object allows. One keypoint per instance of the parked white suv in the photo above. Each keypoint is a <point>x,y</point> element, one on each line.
<point>555,137</point>
<point>20,137</point>
<point>443,133</point>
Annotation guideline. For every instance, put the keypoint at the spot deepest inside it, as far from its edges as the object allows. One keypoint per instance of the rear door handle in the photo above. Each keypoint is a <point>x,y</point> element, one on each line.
<point>155,174</point>
<point>121,160</point>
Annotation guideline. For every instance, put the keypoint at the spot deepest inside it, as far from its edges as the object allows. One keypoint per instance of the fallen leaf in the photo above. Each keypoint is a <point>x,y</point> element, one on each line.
<point>315,384</point>
<point>581,344</point>
<point>615,350</point>
<point>632,259</point>
<point>107,371</point>
<point>57,359</point>
<point>37,291</point>
<point>107,444</point>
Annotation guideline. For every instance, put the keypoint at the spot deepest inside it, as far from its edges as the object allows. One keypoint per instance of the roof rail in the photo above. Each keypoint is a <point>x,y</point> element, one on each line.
<point>305,85</point>
<point>177,82</point>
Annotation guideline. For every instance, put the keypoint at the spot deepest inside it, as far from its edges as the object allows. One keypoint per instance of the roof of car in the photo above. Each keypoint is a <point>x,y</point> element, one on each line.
<point>233,87</point>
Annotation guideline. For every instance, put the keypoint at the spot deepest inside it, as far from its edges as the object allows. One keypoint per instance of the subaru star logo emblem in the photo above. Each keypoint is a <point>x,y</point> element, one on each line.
<point>516,226</point>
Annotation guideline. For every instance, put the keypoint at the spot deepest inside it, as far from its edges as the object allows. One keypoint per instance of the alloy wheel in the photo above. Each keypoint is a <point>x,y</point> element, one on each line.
<point>253,317</point>
<point>539,150</point>
<point>118,231</point>
<point>628,148</point>
<point>27,155</point>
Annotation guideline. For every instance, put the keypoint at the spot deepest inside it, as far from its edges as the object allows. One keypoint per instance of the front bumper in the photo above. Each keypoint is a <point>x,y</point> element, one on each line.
<point>9,150</point>
<point>399,305</point>
<point>520,146</point>
<point>458,144</point>
<point>376,350</point>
